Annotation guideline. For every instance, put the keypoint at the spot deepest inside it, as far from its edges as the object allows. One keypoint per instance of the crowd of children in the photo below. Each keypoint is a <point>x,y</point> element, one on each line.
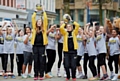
<point>73,42</point>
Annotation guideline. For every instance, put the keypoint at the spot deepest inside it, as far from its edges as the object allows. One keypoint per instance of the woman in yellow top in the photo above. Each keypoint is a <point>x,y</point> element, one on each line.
<point>39,41</point>
<point>70,47</point>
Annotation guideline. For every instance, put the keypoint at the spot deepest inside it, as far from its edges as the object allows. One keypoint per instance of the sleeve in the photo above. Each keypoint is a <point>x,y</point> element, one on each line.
<point>76,27</point>
<point>45,21</point>
<point>34,20</point>
<point>62,29</point>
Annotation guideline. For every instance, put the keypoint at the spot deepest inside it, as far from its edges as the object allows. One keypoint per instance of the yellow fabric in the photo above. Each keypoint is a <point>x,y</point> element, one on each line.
<point>65,36</point>
<point>45,24</point>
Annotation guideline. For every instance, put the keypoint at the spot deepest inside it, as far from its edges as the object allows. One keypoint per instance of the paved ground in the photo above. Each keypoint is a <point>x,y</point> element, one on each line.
<point>54,71</point>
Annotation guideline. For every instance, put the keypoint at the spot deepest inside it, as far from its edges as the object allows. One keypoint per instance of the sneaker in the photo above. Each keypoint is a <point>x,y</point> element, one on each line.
<point>65,75</point>
<point>111,76</point>
<point>84,77</point>
<point>24,76</point>
<point>35,78</point>
<point>13,77</point>
<point>47,76</point>
<point>66,79</point>
<point>98,75</point>
<point>80,75</point>
<point>115,78</point>
<point>74,79</point>
<point>51,75</point>
<point>5,76</point>
<point>30,76</point>
<point>58,74</point>
<point>104,78</point>
<point>41,78</point>
<point>93,78</point>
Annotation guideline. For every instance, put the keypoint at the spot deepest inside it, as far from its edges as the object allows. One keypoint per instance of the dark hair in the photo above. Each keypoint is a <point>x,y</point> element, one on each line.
<point>8,26</point>
<point>117,30</point>
<point>19,32</point>
<point>39,27</point>
<point>25,29</point>
<point>0,25</point>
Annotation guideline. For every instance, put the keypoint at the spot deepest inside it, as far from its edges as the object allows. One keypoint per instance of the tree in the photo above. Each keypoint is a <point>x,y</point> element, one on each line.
<point>66,6</point>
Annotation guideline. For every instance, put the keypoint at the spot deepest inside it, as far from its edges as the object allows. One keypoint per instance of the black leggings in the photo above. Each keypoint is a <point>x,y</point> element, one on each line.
<point>60,47</point>
<point>2,60</point>
<point>92,65</point>
<point>6,61</point>
<point>101,61</point>
<point>86,58</point>
<point>70,63</point>
<point>51,55</point>
<point>39,60</point>
<point>20,60</point>
<point>78,60</point>
<point>114,58</point>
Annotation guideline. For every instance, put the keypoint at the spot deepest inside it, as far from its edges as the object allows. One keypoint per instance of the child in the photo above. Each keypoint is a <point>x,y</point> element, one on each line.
<point>51,50</point>
<point>91,50</point>
<point>70,47</point>
<point>28,55</point>
<point>80,52</point>
<point>114,50</point>
<point>101,48</point>
<point>19,51</point>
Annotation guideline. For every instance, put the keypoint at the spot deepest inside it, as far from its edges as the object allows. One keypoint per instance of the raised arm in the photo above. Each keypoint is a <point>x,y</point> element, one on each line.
<point>62,29</point>
<point>93,33</point>
<point>34,20</point>
<point>76,27</point>
<point>16,27</point>
<point>45,21</point>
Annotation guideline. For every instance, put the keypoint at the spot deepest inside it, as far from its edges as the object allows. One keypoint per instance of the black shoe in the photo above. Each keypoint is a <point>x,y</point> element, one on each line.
<point>19,74</point>
<point>84,77</point>
<point>104,78</point>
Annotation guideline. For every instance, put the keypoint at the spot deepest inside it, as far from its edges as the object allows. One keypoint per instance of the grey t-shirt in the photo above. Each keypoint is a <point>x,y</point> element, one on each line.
<point>91,47</point>
<point>80,50</point>
<point>9,40</point>
<point>1,44</point>
<point>51,41</point>
<point>101,43</point>
<point>28,46</point>
<point>20,45</point>
<point>114,44</point>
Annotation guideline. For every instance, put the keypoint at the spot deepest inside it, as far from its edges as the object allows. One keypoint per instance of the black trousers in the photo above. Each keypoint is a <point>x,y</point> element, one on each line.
<point>60,47</point>
<point>51,55</point>
<point>20,60</point>
<point>6,61</point>
<point>101,60</point>
<point>114,58</point>
<point>78,60</point>
<point>39,60</point>
<point>2,60</point>
<point>86,58</point>
<point>70,63</point>
<point>92,65</point>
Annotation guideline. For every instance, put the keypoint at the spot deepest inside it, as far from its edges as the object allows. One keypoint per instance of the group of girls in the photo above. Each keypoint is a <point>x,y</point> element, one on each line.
<point>73,41</point>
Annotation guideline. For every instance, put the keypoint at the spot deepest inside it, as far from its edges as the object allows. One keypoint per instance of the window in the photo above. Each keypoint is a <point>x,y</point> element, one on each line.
<point>7,2</point>
<point>71,1</point>
<point>4,1</point>
<point>81,17</point>
<point>72,14</point>
<point>57,19</point>
<point>11,3</point>
<point>0,2</point>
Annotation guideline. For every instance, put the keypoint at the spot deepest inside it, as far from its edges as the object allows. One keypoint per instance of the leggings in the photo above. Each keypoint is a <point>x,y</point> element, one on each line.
<point>78,60</point>
<point>92,65</point>
<point>114,58</point>
<point>60,47</point>
<point>6,61</point>
<point>20,60</point>
<point>51,55</point>
<point>2,60</point>
<point>101,61</point>
<point>86,58</point>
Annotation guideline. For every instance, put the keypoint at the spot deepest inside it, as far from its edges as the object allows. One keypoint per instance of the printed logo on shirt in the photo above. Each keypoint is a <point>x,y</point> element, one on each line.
<point>52,35</point>
<point>88,41</point>
<point>20,40</point>
<point>70,36</point>
<point>9,38</point>
<point>98,38</point>
<point>112,41</point>
<point>1,39</point>
<point>79,39</point>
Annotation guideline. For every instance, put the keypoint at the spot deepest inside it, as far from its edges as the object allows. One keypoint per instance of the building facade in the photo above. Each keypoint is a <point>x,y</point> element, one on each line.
<point>21,11</point>
<point>78,10</point>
